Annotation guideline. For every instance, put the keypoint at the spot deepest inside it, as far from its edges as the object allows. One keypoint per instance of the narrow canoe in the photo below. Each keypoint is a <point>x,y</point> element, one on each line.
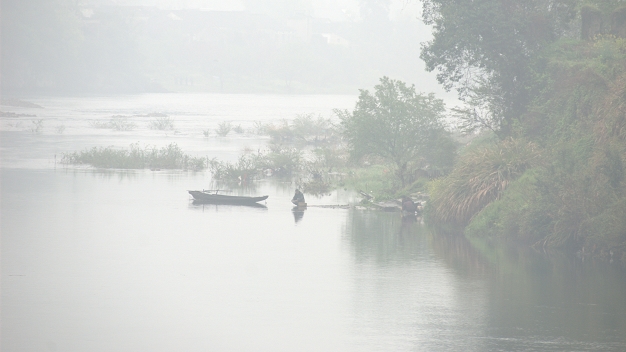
<point>224,199</point>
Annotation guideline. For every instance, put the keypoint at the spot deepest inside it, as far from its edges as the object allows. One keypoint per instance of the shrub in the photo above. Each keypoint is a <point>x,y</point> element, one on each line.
<point>521,213</point>
<point>259,128</point>
<point>479,178</point>
<point>223,128</point>
<point>305,129</point>
<point>162,123</point>
<point>118,123</point>
<point>377,180</point>
<point>37,126</point>
<point>238,129</point>
<point>243,170</point>
<point>137,157</point>
<point>283,161</point>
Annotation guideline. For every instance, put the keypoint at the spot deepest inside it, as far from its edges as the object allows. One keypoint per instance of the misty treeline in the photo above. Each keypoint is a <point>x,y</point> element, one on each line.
<point>545,83</point>
<point>97,46</point>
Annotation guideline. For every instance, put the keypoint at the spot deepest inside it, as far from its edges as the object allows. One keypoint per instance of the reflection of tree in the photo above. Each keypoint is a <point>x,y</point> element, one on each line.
<point>536,301</point>
<point>458,254</point>
<point>383,237</point>
<point>562,292</point>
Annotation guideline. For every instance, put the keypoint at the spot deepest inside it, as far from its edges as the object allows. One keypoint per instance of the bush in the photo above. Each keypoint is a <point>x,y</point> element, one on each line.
<point>479,178</point>
<point>117,123</point>
<point>223,128</point>
<point>245,169</point>
<point>238,129</point>
<point>283,161</point>
<point>305,129</point>
<point>162,123</point>
<point>37,126</point>
<point>377,180</point>
<point>169,157</point>
<point>259,128</point>
<point>521,213</point>
<point>607,230</point>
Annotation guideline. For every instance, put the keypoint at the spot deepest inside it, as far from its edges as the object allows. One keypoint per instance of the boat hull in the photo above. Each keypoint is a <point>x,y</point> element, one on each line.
<point>224,199</point>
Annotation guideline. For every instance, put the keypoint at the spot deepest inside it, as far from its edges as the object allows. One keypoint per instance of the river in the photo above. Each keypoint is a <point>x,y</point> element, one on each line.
<point>97,260</point>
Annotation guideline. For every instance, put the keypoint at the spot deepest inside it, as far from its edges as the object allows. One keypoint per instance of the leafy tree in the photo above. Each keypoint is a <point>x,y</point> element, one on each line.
<point>399,125</point>
<point>495,42</point>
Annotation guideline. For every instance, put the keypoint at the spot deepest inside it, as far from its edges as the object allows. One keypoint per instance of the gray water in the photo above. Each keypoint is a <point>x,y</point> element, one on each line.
<point>98,260</point>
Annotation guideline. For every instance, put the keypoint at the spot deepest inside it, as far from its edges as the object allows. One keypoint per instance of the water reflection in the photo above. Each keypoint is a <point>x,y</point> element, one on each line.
<point>131,258</point>
<point>554,295</point>
<point>401,289</point>
<point>298,213</point>
<point>216,206</point>
<point>487,296</point>
<point>383,236</point>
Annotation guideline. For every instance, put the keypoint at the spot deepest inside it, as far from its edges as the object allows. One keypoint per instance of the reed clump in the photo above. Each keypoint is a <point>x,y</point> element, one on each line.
<point>479,178</point>
<point>117,123</point>
<point>305,129</point>
<point>223,128</point>
<point>277,161</point>
<point>162,123</point>
<point>243,170</point>
<point>136,157</point>
<point>283,161</point>
<point>37,126</point>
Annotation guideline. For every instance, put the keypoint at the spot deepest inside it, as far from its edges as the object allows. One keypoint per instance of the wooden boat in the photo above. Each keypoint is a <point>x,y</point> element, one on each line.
<point>215,198</point>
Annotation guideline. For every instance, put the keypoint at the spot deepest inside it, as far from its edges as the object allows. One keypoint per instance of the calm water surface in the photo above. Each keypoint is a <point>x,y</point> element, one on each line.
<point>124,261</point>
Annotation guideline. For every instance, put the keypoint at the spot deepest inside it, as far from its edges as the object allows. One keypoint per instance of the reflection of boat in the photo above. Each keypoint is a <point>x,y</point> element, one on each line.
<point>214,198</point>
<point>251,205</point>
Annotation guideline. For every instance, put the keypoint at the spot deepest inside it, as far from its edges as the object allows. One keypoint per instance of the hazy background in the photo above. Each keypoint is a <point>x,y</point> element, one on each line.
<point>249,46</point>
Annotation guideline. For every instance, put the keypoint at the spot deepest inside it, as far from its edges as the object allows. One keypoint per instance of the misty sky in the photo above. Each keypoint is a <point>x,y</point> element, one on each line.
<point>236,46</point>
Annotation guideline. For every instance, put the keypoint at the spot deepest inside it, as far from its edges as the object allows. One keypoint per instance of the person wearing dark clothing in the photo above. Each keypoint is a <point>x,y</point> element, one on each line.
<point>408,205</point>
<point>298,198</point>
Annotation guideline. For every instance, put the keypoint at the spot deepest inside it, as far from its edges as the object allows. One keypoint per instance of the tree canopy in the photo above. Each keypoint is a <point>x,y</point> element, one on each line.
<point>399,125</point>
<point>490,46</point>
<point>556,175</point>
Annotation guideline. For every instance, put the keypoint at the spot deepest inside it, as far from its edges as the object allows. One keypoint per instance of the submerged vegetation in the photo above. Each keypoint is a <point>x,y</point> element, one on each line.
<point>37,126</point>
<point>162,123</point>
<point>117,123</point>
<point>136,157</point>
<point>223,128</point>
<point>304,129</point>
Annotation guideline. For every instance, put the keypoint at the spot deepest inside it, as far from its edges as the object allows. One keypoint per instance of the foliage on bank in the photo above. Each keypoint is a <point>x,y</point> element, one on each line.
<point>480,177</point>
<point>573,194</point>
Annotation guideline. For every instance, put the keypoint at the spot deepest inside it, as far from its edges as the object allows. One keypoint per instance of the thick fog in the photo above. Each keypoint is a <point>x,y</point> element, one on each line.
<point>248,46</point>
